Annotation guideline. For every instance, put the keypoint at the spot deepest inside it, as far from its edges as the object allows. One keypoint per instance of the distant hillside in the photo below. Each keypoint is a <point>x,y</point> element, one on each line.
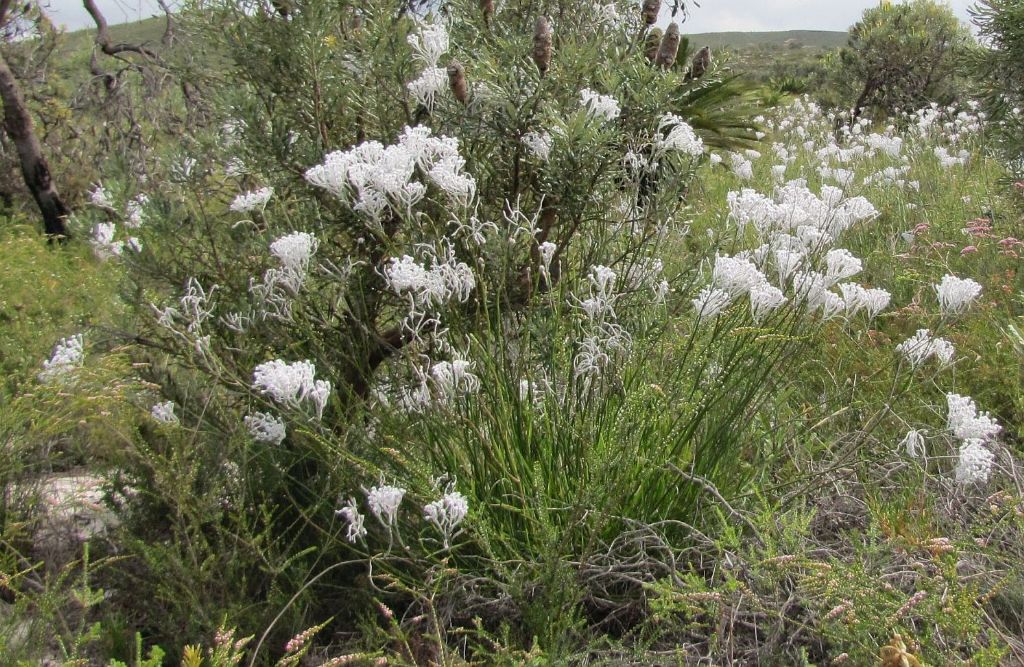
<point>150,30</point>
<point>821,39</point>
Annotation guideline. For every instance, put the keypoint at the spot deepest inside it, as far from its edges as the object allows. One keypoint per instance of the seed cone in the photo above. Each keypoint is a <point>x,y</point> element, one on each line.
<point>701,63</point>
<point>457,81</point>
<point>652,43</point>
<point>669,47</point>
<point>649,11</point>
<point>542,44</point>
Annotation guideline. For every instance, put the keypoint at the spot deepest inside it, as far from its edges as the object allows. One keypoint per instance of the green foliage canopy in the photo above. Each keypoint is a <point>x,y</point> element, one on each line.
<point>1001,68</point>
<point>900,56</point>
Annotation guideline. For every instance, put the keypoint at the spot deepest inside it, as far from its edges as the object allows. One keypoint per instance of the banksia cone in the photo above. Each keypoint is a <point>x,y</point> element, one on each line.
<point>457,81</point>
<point>652,43</point>
<point>542,44</point>
<point>669,47</point>
<point>650,10</point>
<point>701,63</point>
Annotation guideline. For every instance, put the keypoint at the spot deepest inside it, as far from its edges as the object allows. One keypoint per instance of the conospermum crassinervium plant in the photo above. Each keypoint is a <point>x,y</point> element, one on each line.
<point>401,249</point>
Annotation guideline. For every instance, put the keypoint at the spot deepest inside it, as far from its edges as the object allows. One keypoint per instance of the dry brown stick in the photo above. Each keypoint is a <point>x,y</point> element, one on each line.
<point>708,486</point>
<point>104,41</point>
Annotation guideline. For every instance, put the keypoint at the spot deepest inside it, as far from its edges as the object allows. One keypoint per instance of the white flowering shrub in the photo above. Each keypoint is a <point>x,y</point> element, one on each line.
<point>470,203</point>
<point>434,303</point>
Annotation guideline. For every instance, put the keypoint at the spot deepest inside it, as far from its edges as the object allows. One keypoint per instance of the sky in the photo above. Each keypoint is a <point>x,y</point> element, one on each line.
<point>72,15</point>
<point>762,15</point>
<point>711,16</point>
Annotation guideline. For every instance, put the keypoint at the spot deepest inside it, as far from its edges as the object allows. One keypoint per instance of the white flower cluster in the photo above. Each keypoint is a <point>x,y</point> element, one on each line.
<point>797,228</point>
<point>796,210</point>
<point>196,307</point>
<point>949,161</point>
<point>857,298</point>
<point>454,378</point>
<point>812,289</point>
<point>429,288</point>
<point>844,177</point>
<point>104,244</point>
<point>966,423</point>
<point>546,251</point>
<point>741,166</point>
<point>134,215</point>
<point>973,429</point>
<point>429,43</point>
<point>913,444</point>
<point>600,305</point>
<point>604,339</point>
<point>605,107</point>
<point>711,301</point>
<point>294,252</point>
<point>356,521</point>
<point>956,294</point>
<point>921,347</point>
<point>102,240</point>
<point>265,428</point>
<point>889,176</point>
<point>67,355</point>
<point>290,384</point>
<point>680,138</point>
<point>428,85</point>
<point>732,278</point>
<point>254,199</point>
<point>447,514</point>
<point>164,412</point>
<point>384,502</point>
<point>375,177</point>
<point>975,463</point>
<point>538,144</point>
<point>100,197</point>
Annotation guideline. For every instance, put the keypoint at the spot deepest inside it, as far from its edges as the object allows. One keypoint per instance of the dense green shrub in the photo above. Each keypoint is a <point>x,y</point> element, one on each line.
<point>481,312</point>
<point>1001,69</point>
<point>900,56</point>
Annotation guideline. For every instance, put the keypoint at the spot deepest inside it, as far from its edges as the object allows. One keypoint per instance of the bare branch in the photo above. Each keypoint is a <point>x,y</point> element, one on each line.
<point>5,6</point>
<point>34,168</point>
<point>104,41</point>
<point>168,37</point>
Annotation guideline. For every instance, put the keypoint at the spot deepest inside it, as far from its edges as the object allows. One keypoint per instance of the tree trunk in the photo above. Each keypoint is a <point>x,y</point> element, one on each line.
<point>34,169</point>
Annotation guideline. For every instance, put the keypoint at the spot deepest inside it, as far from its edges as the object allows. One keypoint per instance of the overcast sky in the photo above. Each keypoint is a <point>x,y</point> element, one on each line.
<point>711,16</point>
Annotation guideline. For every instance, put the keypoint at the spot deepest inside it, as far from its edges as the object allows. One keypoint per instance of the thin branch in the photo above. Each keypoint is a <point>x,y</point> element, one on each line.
<point>104,41</point>
<point>5,5</point>
<point>708,486</point>
<point>168,37</point>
